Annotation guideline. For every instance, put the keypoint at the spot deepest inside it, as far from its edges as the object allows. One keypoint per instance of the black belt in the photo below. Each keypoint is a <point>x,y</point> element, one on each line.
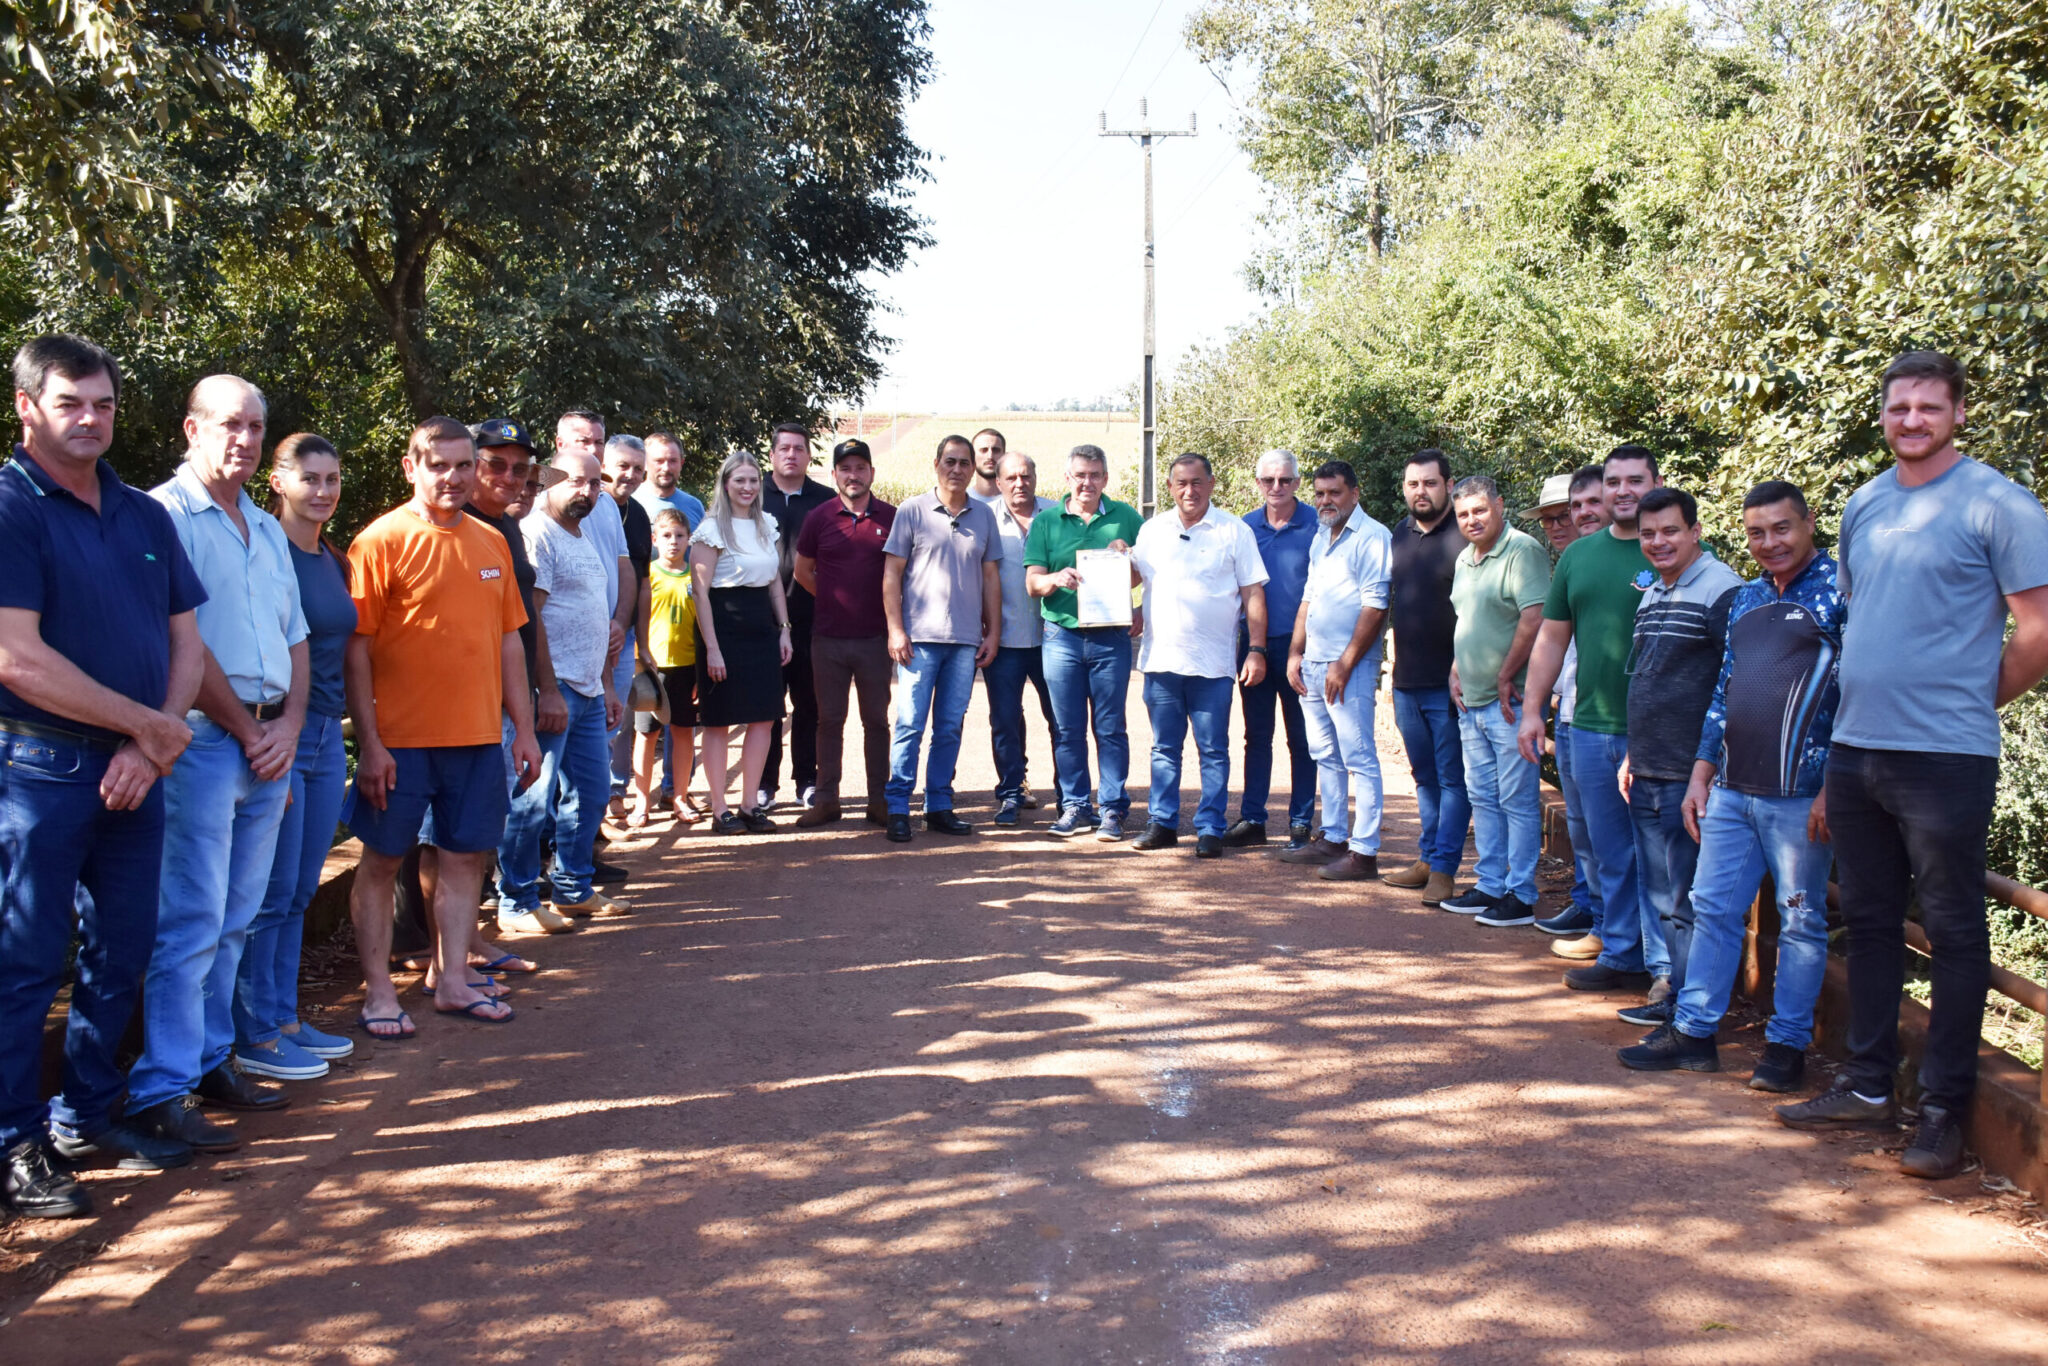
<point>15,726</point>
<point>264,711</point>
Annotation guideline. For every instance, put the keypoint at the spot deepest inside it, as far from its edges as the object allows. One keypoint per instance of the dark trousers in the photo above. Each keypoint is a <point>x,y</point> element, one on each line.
<point>1257,702</point>
<point>862,664</point>
<point>1003,678</point>
<point>1911,827</point>
<point>803,720</point>
<point>66,862</point>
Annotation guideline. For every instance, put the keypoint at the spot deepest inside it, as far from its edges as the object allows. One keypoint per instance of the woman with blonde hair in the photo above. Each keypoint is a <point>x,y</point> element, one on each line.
<point>742,636</point>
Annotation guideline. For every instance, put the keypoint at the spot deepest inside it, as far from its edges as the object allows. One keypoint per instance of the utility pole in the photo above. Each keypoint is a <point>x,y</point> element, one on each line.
<point>1149,498</point>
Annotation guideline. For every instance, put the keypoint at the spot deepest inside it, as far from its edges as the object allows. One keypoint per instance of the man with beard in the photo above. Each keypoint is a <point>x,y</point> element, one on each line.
<point>989,449</point>
<point>790,496</point>
<point>625,470</point>
<point>1594,592</point>
<point>225,798</point>
<point>664,468</point>
<point>569,577</point>
<point>1426,546</point>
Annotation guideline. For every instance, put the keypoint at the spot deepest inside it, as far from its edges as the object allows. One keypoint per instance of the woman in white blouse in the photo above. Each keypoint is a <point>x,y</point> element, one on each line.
<point>742,636</point>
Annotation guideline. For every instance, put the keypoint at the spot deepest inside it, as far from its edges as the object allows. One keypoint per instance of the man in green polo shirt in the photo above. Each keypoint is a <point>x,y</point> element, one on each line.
<point>1599,581</point>
<point>1087,668</point>
<point>1498,587</point>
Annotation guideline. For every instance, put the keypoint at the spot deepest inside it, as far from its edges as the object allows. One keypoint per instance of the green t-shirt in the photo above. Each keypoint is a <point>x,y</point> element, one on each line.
<point>1057,534</point>
<point>1490,596</point>
<point>1599,580</point>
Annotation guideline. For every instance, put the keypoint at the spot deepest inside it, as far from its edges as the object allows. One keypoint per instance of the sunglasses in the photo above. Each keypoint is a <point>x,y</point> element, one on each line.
<point>499,467</point>
<point>1274,481</point>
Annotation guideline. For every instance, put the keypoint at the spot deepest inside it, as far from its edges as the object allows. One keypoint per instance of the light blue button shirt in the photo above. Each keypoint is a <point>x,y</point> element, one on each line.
<point>1345,578</point>
<point>251,617</point>
<point>1023,627</point>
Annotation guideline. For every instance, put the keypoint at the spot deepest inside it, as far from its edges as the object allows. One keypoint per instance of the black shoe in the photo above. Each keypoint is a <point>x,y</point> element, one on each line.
<point>899,827</point>
<point>1208,846</point>
<point>1244,834</point>
<point>1839,1108</point>
<point>607,874</point>
<point>1157,837</point>
<point>1781,1068</point>
<point>1298,835</point>
<point>178,1119</point>
<point>1667,1050</point>
<point>947,823</point>
<point>1936,1152</point>
<point>1574,920</point>
<point>1508,911</point>
<point>130,1149</point>
<point>726,823</point>
<point>1600,977</point>
<point>757,821</point>
<point>1650,1014</point>
<point>32,1184</point>
<point>1010,812</point>
<point>1467,903</point>
<point>228,1087</point>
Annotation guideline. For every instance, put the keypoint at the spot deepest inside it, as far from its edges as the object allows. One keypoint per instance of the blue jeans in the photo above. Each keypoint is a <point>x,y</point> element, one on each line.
<point>939,682</point>
<point>1089,672</point>
<point>1176,704</point>
<point>1340,735</point>
<point>66,860</point>
<point>1611,834</point>
<point>220,839</point>
<point>619,740</point>
<point>1585,869</point>
<point>267,988</point>
<point>1003,678</point>
<point>1665,856</point>
<point>1507,811</point>
<point>1256,702</point>
<point>1429,732</point>
<point>1741,836</point>
<point>570,793</point>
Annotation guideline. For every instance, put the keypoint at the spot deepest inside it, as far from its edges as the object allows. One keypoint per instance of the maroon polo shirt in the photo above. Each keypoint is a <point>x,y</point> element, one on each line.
<point>848,552</point>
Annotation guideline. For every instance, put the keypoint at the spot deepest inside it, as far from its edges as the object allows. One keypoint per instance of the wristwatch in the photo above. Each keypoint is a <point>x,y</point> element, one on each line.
<point>1255,649</point>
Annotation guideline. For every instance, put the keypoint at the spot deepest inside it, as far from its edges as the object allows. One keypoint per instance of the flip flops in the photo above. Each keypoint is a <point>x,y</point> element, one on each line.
<point>406,1027</point>
<point>501,964</point>
<point>471,1010</point>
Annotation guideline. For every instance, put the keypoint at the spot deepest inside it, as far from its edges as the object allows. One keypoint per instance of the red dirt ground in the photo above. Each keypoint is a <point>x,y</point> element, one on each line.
<point>1003,1099</point>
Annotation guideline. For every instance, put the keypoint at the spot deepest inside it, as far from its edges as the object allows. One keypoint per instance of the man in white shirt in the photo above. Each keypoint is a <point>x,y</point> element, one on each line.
<point>1200,567</point>
<point>1333,663</point>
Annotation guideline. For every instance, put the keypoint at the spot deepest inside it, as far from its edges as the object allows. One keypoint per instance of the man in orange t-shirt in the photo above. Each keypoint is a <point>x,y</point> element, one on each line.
<point>434,663</point>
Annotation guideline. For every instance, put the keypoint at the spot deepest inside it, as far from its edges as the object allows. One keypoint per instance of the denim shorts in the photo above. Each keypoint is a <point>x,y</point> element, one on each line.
<point>462,787</point>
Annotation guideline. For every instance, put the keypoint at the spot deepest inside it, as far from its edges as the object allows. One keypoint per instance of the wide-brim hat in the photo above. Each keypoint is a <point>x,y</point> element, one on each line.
<point>648,694</point>
<point>1557,492</point>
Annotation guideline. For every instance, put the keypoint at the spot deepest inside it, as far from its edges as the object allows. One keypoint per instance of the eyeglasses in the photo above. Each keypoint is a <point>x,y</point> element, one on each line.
<point>499,467</point>
<point>1274,481</point>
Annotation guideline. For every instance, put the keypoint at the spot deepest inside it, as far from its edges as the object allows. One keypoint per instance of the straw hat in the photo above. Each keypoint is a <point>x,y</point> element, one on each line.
<point>647,694</point>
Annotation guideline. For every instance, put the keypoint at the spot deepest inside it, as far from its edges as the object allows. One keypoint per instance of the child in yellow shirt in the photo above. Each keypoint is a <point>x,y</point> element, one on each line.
<point>671,628</point>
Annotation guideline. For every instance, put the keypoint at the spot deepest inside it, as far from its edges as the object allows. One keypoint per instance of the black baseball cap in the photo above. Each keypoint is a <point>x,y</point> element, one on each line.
<point>853,445</point>
<point>501,431</point>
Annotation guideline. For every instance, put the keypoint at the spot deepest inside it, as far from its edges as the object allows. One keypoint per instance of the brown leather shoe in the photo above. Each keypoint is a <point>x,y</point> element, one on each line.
<point>1318,850</point>
<point>1585,949</point>
<point>1350,866</point>
<point>1415,874</point>
<point>1438,888</point>
<point>821,813</point>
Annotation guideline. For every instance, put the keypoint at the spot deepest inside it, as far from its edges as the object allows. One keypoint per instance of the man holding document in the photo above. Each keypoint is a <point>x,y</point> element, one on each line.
<point>1086,542</point>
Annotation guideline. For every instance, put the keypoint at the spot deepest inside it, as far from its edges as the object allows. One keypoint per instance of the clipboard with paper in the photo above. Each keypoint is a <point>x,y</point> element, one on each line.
<point>1104,597</point>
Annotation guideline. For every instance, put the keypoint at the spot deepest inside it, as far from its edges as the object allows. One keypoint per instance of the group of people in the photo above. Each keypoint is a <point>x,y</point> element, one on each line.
<point>175,669</point>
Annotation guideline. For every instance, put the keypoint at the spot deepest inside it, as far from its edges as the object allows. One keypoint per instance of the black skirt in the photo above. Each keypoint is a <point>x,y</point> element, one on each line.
<point>751,643</point>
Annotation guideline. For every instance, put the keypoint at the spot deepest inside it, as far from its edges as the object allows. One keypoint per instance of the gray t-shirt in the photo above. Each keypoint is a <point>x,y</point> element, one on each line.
<point>1927,570</point>
<point>942,573</point>
<point>574,572</point>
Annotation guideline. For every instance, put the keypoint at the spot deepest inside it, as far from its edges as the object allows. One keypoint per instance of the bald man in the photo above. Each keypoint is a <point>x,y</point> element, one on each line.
<point>224,799</point>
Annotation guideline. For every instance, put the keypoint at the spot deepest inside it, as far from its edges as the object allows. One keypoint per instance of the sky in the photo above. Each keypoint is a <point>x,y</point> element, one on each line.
<point>1033,288</point>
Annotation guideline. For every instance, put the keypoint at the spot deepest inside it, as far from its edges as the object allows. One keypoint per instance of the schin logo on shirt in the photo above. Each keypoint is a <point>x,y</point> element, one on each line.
<point>488,574</point>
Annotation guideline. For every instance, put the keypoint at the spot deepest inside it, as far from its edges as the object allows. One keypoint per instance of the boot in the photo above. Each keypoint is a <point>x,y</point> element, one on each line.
<point>1416,874</point>
<point>1436,889</point>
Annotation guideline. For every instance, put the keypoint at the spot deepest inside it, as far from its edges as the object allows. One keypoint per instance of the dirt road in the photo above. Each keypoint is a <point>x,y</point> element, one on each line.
<point>1004,1099</point>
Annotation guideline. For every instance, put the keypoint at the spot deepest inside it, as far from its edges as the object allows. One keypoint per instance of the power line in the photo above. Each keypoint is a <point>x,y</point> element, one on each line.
<point>1142,35</point>
<point>1177,50</point>
<point>1229,160</point>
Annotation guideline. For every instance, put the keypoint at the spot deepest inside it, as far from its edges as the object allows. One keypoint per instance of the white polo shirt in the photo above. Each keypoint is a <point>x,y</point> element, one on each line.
<point>1193,575</point>
<point>1345,578</point>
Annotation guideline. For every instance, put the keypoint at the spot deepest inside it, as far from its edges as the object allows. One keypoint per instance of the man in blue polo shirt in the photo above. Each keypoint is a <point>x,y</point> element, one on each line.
<point>99,660</point>
<point>1284,528</point>
<point>225,798</point>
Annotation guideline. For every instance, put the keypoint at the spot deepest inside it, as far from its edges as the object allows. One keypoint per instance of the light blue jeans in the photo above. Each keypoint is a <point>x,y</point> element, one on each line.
<point>571,792</point>
<point>220,838</point>
<point>1340,735</point>
<point>267,988</point>
<point>1611,831</point>
<point>1176,704</point>
<point>1586,870</point>
<point>938,684</point>
<point>1740,837</point>
<point>1088,674</point>
<point>1507,811</point>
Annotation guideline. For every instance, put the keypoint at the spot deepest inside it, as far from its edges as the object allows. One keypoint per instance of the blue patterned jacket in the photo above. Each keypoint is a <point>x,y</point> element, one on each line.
<point>1773,714</point>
